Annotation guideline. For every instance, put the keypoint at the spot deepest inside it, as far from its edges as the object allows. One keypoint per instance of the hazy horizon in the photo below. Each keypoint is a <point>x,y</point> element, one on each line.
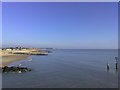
<point>60,25</point>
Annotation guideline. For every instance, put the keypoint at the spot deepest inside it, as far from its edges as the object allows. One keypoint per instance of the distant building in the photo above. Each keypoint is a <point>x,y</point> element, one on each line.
<point>34,50</point>
<point>8,49</point>
<point>23,49</point>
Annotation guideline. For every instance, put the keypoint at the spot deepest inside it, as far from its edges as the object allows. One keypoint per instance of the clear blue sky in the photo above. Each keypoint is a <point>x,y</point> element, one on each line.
<point>61,25</point>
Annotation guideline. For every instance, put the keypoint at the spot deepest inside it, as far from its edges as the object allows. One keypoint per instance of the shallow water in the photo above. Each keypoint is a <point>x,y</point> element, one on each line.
<point>66,69</point>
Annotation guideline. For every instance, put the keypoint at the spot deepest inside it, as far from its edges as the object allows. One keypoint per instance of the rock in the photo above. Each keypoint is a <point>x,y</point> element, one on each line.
<point>19,72</point>
<point>6,69</point>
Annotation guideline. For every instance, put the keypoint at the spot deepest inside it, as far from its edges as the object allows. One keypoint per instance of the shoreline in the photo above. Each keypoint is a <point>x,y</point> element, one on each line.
<point>9,55</point>
<point>7,59</point>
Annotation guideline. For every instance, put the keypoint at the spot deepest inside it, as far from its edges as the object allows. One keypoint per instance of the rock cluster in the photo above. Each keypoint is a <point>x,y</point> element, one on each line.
<point>7,69</point>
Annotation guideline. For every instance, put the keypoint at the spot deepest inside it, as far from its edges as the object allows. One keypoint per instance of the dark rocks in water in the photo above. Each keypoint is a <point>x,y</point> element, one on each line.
<point>6,69</point>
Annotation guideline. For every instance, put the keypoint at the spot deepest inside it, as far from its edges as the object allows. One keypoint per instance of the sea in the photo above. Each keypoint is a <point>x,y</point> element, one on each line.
<point>66,68</point>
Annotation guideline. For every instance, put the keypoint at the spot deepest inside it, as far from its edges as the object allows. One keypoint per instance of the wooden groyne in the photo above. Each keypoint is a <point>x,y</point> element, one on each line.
<point>116,64</point>
<point>31,53</point>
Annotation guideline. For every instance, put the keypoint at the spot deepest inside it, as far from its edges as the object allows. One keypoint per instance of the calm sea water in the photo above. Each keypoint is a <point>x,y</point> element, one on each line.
<point>66,69</point>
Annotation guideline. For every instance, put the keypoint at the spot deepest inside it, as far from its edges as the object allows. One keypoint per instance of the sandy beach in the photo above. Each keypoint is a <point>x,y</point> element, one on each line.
<point>7,59</point>
<point>8,56</point>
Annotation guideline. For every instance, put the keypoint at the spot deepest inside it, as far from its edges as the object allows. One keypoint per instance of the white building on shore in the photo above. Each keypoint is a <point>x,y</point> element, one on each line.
<point>8,49</point>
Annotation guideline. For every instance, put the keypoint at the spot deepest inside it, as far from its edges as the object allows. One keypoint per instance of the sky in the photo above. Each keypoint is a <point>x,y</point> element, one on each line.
<point>62,25</point>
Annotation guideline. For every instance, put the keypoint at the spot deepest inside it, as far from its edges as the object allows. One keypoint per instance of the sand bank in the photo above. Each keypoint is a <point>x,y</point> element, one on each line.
<point>7,59</point>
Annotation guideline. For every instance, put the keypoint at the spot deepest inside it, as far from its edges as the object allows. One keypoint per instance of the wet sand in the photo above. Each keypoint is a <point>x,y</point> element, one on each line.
<point>7,59</point>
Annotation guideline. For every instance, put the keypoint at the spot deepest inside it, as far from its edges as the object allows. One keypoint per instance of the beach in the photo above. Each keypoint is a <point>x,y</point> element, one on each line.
<point>9,58</point>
